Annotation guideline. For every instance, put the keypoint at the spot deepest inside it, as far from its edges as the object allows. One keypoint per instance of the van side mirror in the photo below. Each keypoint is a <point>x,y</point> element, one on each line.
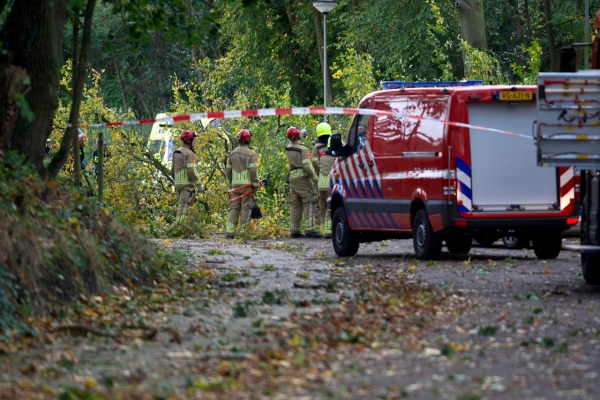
<point>335,146</point>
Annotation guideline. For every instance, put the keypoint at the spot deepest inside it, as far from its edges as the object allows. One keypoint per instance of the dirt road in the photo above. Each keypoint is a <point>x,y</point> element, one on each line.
<point>288,319</point>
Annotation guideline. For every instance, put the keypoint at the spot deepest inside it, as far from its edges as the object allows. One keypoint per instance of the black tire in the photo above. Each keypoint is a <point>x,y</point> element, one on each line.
<point>428,245</point>
<point>590,267</point>
<point>459,244</point>
<point>514,242</point>
<point>547,245</point>
<point>345,241</point>
<point>485,239</point>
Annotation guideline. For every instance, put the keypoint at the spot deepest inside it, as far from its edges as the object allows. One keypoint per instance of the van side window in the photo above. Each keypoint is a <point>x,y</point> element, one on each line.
<point>358,133</point>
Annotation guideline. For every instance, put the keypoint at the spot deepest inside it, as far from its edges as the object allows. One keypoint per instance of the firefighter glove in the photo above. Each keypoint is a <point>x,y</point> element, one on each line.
<point>200,189</point>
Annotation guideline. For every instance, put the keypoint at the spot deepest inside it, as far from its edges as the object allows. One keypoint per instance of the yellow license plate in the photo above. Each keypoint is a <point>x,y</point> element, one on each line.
<point>512,96</point>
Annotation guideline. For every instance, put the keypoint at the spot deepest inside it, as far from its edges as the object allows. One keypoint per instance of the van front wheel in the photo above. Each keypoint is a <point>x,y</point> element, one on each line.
<point>345,241</point>
<point>428,244</point>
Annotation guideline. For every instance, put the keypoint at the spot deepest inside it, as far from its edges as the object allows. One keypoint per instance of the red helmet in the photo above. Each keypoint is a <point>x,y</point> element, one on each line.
<point>188,136</point>
<point>293,132</point>
<point>244,136</point>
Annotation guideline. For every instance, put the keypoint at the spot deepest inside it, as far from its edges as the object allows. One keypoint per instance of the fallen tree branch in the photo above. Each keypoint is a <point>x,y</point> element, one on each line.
<point>84,329</point>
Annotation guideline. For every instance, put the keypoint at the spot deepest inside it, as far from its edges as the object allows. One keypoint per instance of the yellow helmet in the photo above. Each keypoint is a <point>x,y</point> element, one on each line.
<point>323,129</point>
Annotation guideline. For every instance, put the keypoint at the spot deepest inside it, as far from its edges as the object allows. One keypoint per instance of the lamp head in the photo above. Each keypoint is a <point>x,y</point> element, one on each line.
<point>324,7</point>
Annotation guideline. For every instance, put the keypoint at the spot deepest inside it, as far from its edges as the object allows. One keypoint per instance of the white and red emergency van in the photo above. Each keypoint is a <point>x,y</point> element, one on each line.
<point>416,163</point>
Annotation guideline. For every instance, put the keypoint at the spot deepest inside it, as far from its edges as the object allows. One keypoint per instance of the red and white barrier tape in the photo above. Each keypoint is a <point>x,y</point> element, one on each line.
<point>269,112</point>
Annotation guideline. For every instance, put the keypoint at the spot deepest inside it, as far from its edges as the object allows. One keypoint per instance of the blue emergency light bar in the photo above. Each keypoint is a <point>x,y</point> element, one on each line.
<point>404,85</point>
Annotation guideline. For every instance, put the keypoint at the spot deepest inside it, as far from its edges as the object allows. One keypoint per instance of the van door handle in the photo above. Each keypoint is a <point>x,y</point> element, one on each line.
<point>361,165</point>
<point>371,164</point>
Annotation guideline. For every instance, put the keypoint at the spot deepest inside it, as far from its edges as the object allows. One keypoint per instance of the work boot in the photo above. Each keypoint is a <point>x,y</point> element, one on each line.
<point>313,235</point>
<point>295,235</point>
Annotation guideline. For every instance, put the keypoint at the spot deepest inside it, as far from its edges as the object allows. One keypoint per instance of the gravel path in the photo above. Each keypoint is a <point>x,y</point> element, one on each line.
<point>496,323</point>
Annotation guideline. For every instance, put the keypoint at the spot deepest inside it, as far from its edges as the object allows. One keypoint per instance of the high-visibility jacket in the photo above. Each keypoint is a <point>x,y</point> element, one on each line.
<point>183,169</point>
<point>300,162</point>
<point>326,161</point>
<point>316,152</point>
<point>242,165</point>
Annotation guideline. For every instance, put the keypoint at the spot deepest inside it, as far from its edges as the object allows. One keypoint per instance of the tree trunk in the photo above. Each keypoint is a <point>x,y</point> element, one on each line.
<point>75,141</point>
<point>12,83</point>
<point>355,11</point>
<point>61,157</point>
<point>472,22</point>
<point>121,84</point>
<point>32,37</point>
<point>319,32</point>
<point>550,35</point>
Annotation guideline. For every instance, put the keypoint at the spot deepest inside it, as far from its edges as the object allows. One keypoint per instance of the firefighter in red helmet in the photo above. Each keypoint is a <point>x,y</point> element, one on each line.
<point>303,194</point>
<point>183,171</point>
<point>241,170</point>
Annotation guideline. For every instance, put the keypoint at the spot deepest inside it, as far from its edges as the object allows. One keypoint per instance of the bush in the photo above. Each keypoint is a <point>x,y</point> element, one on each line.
<point>58,244</point>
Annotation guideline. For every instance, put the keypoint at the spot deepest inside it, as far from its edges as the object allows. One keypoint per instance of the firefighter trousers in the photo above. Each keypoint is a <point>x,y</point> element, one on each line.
<point>240,206</point>
<point>324,217</point>
<point>302,206</point>
<point>185,198</point>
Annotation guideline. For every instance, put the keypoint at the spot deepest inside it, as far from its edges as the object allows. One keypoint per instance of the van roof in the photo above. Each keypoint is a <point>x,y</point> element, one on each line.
<point>392,94</point>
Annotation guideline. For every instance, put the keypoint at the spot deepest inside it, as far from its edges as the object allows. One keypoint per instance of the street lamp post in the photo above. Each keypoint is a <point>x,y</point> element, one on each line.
<point>324,7</point>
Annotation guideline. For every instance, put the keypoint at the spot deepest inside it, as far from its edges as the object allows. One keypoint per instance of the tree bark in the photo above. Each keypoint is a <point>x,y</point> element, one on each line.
<point>472,22</point>
<point>319,32</point>
<point>61,157</point>
<point>32,37</point>
<point>75,141</point>
<point>12,83</point>
<point>121,84</point>
<point>550,35</point>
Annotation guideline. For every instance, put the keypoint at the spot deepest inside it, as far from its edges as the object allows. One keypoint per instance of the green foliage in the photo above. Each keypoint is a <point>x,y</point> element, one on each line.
<point>488,330</point>
<point>58,245</point>
<point>278,296</point>
<point>12,295</point>
<point>528,73</point>
<point>482,65</point>
<point>355,72</point>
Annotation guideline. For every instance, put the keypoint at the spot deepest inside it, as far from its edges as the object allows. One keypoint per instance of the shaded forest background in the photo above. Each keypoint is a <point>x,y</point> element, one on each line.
<point>68,63</point>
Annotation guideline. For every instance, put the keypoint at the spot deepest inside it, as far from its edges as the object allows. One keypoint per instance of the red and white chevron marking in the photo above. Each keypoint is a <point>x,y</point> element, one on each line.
<point>567,186</point>
<point>270,112</point>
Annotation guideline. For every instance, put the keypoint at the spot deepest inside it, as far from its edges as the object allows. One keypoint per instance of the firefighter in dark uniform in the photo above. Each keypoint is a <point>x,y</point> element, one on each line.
<point>323,135</point>
<point>183,171</point>
<point>303,194</point>
<point>241,170</point>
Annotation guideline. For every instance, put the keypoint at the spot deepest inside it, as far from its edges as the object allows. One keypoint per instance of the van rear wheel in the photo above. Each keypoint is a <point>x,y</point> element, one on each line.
<point>547,245</point>
<point>459,244</point>
<point>345,241</point>
<point>590,268</point>
<point>428,244</point>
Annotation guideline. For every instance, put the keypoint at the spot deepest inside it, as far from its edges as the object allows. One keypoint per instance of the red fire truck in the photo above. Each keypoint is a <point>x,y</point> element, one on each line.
<point>568,133</point>
<point>447,162</point>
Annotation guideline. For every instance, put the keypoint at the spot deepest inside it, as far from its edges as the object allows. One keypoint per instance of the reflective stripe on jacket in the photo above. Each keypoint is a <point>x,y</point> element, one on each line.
<point>300,162</point>
<point>325,164</point>
<point>183,169</point>
<point>242,165</point>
